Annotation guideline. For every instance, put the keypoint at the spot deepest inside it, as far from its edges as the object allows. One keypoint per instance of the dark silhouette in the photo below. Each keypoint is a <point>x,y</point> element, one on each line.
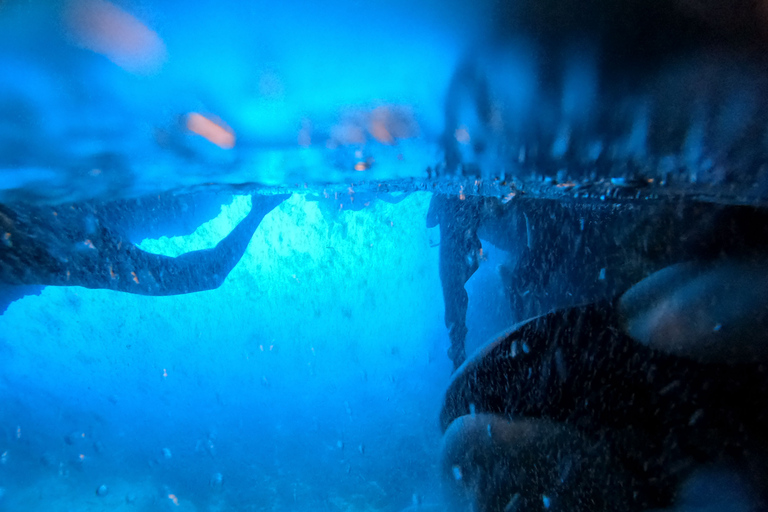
<point>569,253</point>
<point>459,219</point>
<point>661,416</point>
<point>604,87</point>
<point>91,245</point>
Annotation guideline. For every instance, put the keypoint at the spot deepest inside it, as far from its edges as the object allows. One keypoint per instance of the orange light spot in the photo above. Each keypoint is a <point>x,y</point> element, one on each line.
<point>461,194</point>
<point>135,277</point>
<point>82,435</point>
<point>462,135</point>
<point>112,273</point>
<point>360,166</point>
<point>380,133</point>
<point>378,128</point>
<point>214,131</point>
<point>387,124</point>
<point>381,120</point>
<point>89,244</point>
<point>565,185</point>
<point>104,28</point>
<point>165,373</point>
<point>174,499</point>
<point>55,214</point>
<point>18,432</point>
<point>68,274</point>
<point>82,456</point>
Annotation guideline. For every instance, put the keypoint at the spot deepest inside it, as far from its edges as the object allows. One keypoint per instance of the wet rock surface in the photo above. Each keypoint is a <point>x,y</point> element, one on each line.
<point>660,415</point>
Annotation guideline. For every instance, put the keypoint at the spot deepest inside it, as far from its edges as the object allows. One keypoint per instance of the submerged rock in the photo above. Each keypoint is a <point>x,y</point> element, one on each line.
<point>659,414</point>
<point>707,312</point>
<point>490,464</point>
<point>102,490</point>
<point>716,489</point>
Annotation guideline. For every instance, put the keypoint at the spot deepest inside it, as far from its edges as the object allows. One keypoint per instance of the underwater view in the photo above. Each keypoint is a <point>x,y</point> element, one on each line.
<point>391,256</point>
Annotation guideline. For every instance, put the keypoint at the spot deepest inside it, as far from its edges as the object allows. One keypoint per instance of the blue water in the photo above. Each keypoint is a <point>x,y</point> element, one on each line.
<point>274,73</point>
<point>313,377</point>
<point>310,380</point>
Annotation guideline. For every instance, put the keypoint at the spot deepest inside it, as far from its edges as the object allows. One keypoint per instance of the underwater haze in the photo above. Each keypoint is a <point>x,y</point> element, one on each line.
<point>383,256</point>
<point>159,96</point>
<point>309,380</point>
